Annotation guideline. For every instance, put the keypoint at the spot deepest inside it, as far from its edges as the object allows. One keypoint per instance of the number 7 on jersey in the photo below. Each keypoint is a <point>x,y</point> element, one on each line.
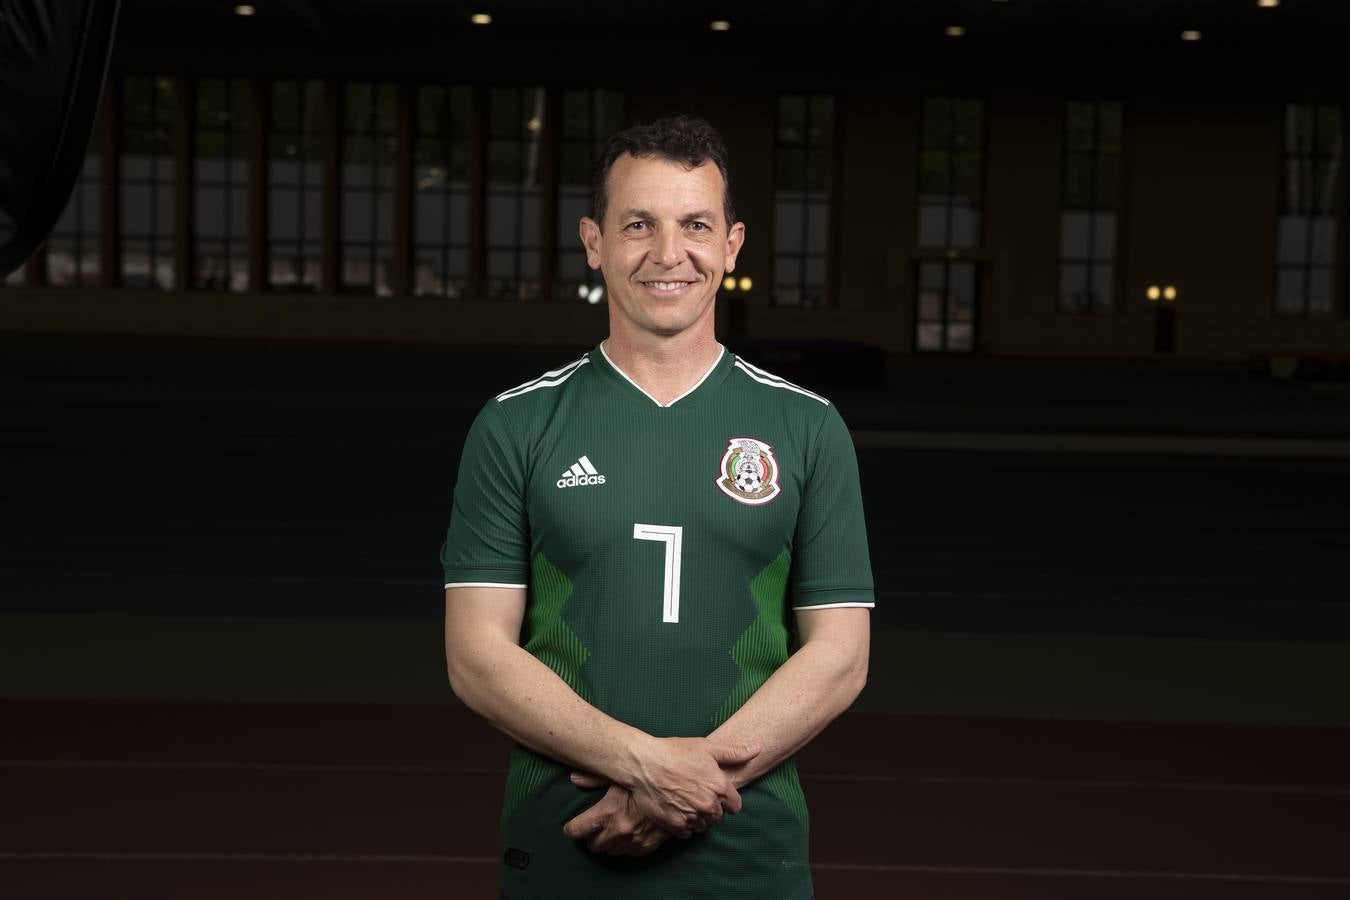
<point>671,536</point>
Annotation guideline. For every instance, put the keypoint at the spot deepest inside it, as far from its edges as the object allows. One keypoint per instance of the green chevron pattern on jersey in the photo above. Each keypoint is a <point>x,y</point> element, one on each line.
<point>549,639</point>
<point>758,653</point>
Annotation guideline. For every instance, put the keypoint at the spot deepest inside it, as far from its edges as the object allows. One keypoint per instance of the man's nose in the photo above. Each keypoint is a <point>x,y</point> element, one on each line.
<point>669,248</point>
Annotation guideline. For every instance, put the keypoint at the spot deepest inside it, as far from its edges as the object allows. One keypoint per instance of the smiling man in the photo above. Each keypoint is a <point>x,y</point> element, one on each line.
<point>657,579</point>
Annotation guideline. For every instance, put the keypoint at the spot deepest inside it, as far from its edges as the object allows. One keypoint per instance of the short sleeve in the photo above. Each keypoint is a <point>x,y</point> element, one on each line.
<point>488,538</point>
<point>830,562</point>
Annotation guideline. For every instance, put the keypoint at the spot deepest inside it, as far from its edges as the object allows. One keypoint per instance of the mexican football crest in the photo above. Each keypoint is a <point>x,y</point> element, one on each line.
<point>749,471</point>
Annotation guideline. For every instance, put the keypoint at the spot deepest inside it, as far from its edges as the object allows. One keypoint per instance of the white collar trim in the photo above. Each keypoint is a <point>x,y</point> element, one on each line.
<point>696,386</point>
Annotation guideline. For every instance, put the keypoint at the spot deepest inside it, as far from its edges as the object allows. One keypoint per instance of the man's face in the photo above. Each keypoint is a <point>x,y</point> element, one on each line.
<point>664,246</point>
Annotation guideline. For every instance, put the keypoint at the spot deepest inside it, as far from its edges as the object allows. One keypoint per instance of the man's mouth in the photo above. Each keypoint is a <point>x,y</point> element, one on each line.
<point>673,285</point>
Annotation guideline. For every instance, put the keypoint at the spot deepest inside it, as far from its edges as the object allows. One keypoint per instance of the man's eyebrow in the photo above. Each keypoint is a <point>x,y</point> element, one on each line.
<point>706,214</point>
<point>634,213</point>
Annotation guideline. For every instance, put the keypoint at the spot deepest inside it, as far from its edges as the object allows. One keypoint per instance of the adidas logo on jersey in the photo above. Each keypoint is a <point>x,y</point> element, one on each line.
<point>580,474</point>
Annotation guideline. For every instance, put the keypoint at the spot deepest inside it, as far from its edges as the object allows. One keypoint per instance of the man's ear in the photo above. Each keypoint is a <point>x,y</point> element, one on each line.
<point>735,238</point>
<point>590,239</point>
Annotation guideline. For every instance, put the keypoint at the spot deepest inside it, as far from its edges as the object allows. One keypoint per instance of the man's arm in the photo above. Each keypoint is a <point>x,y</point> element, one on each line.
<point>678,783</point>
<point>805,694</point>
<point>814,686</point>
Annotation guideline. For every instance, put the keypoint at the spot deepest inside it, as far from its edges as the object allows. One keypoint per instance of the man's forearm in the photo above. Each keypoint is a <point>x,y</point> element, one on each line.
<point>528,701</point>
<point>814,686</point>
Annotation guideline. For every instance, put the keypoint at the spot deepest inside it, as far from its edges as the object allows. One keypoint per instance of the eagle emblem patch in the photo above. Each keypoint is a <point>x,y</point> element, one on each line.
<point>749,472</point>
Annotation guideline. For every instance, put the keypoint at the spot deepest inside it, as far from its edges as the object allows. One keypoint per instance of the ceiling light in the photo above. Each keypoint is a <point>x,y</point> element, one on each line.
<point>729,283</point>
<point>745,284</point>
<point>720,25</point>
<point>1267,4</point>
<point>1169,293</point>
<point>1190,35</point>
<point>243,9</point>
<point>1153,292</point>
<point>955,31</point>
<point>480,19</point>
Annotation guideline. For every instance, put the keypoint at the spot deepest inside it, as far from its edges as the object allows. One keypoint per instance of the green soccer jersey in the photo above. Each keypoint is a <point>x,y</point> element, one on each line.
<point>664,549</point>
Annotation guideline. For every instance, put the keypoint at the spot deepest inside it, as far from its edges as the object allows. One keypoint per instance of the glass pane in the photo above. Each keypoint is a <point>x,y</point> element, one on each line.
<point>1079,181</point>
<point>960,337</point>
<point>577,164</point>
<point>816,272</point>
<point>1105,194</point>
<point>821,127</point>
<point>969,124</point>
<point>1319,292</point>
<point>1299,119</point>
<point>935,173</point>
<point>432,115</point>
<point>961,292</point>
<point>1109,120</point>
<point>1292,243</point>
<point>576,115</point>
<point>285,106</point>
<point>929,336</point>
<point>1074,234</point>
<point>1080,126</point>
<point>937,123</point>
<point>790,170</point>
<point>1327,139</point>
<point>819,174</point>
<point>788,232</point>
<point>933,226</point>
<point>965,227</point>
<point>1324,239</point>
<point>1103,288</point>
<point>933,275</point>
<point>502,220</point>
<point>792,119</point>
<point>1326,172</point>
<point>505,163</point>
<point>1104,236</point>
<point>1073,288</point>
<point>1289,291</point>
<point>930,306</point>
<point>966,177</point>
<point>818,228</point>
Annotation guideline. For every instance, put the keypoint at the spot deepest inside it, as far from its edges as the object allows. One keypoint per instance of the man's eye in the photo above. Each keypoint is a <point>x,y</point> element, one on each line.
<point>699,226</point>
<point>636,226</point>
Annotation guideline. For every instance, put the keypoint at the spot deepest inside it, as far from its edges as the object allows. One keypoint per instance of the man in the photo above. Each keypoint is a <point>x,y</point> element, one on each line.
<point>635,537</point>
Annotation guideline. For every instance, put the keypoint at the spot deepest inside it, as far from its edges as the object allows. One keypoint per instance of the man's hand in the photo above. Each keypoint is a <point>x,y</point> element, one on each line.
<point>681,786</point>
<point>614,826</point>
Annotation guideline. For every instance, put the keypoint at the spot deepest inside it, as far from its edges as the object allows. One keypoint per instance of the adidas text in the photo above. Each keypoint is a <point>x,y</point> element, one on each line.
<point>580,480</point>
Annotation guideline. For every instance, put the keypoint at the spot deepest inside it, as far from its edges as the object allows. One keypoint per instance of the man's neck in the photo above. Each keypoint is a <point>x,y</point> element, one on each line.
<point>665,368</point>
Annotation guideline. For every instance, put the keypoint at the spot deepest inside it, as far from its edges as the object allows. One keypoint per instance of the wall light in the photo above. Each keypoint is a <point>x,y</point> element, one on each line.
<point>480,19</point>
<point>729,283</point>
<point>955,31</point>
<point>719,25</point>
<point>1169,293</point>
<point>745,283</point>
<point>1190,35</point>
<point>1153,292</point>
<point>596,295</point>
<point>243,9</point>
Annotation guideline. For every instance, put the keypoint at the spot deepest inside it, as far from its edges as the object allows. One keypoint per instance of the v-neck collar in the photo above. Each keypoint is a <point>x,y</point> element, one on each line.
<point>716,372</point>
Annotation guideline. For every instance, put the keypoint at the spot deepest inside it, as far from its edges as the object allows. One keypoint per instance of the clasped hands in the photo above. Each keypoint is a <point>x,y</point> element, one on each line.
<point>682,786</point>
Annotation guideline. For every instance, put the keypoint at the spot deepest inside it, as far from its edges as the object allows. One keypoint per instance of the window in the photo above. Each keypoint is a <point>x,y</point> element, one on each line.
<point>1310,192</point>
<point>1087,221</point>
<point>947,303</point>
<point>73,247</point>
<point>803,174</point>
<point>367,186</point>
<point>589,117</point>
<point>222,180</point>
<point>295,186</point>
<point>513,229</point>
<point>951,172</point>
<point>148,178</point>
<point>441,192</point>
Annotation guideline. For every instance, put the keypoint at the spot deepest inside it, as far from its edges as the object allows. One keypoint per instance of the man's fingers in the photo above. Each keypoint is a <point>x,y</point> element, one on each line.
<point>732,754</point>
<point>584,825</point>
<point>733,800</point>
<point>588,781</point>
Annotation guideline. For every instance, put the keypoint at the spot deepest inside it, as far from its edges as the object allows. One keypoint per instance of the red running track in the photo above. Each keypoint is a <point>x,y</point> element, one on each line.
<point>230,800</point>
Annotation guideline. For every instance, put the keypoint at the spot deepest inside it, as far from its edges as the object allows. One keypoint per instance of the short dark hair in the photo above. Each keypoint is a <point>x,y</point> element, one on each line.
<point>688,140</point>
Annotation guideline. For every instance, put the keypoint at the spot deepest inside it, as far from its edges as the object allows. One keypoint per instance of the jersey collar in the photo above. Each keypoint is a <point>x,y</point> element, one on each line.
<point>716,372</point>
